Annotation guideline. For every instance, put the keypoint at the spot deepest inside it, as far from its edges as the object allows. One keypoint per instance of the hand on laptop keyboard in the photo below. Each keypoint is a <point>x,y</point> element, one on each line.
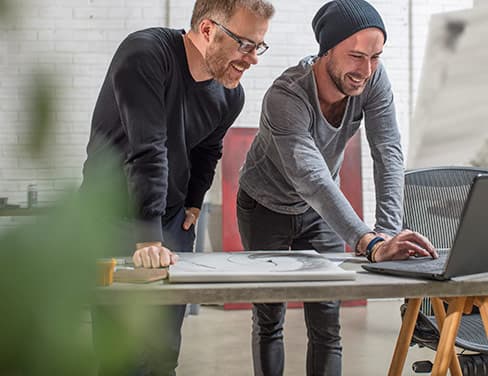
<point>407,243</point>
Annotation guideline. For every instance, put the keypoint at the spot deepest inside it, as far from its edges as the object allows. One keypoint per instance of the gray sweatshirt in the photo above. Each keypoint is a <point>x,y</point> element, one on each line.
<point>294,161</point>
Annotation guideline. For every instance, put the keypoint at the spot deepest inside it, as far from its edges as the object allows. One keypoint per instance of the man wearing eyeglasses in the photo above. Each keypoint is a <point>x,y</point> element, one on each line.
<point>165,105</point>
<point>289,196</point>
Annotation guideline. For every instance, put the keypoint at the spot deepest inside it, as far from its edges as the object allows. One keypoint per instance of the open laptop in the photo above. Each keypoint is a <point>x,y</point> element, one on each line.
<point>469,252</point>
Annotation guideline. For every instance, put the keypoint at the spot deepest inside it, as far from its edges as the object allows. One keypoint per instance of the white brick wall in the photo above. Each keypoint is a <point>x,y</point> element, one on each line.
<point>396,60</point>
<point>75,39</point>
<point>403,74</point>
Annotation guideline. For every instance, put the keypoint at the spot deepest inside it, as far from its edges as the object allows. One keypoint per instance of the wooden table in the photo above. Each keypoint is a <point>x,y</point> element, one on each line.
<point>367,285</point>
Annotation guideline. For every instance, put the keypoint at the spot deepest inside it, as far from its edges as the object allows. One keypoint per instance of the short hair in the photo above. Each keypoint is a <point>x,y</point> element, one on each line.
<point>226,9</point>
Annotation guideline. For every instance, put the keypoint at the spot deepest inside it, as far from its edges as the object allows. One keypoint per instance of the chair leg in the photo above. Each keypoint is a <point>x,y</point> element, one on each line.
<point>449,330</point>
<point>482,303</point>
<point>404,337</point>
<point>440,316</point>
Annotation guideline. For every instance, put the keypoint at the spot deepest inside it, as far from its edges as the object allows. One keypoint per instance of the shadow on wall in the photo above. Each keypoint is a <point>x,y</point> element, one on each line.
<point>481,159</point>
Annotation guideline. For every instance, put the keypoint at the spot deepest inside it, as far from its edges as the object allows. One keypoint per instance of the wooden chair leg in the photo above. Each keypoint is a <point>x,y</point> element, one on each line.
<point>404,337</point>
<point>440,316</point>
<point>449,330</point>
<point>482,303</point>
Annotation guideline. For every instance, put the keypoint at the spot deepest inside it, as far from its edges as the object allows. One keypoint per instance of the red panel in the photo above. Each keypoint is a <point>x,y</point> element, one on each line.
<point>351,178</point>
<point>236,144</point>
<point>352,187</point>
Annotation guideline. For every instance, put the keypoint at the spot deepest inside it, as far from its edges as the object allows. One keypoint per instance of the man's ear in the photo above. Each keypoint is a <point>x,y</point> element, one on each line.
<point>205,29</point>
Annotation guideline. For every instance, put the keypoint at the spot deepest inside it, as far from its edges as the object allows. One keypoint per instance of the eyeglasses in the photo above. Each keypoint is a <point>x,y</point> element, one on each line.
<point>245,46</point>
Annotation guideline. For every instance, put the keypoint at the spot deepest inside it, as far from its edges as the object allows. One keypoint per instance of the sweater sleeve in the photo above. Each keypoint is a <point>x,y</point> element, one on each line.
<point>384,141</point>
<point>138,82</point>
<point>206,154</point>
<point>289,119</point>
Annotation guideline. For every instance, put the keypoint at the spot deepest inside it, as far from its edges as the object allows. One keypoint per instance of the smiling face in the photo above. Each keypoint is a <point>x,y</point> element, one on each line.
<point>351,63</point>
<point>223,59</point>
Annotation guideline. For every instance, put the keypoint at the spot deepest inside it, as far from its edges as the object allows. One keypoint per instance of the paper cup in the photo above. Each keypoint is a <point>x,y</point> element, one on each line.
<point>105,271</point>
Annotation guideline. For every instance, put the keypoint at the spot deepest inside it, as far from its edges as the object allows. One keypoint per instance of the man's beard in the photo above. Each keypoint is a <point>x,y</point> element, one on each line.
<point>340,82</point>
<point>220,67</point>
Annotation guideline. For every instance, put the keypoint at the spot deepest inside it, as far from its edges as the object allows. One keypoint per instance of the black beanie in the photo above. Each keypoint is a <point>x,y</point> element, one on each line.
<point>339,19</point>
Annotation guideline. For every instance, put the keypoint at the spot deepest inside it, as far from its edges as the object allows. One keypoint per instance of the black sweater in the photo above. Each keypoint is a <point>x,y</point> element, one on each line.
<point>165,128</point>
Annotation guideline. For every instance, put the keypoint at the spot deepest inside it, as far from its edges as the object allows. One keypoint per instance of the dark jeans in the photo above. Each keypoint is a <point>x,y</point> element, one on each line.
<point>160,348</point>
<point>264,229</point>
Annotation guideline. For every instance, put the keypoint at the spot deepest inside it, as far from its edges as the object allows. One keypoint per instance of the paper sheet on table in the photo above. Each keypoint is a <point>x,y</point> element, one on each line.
<point>450,123</point>
<point>256,266</point>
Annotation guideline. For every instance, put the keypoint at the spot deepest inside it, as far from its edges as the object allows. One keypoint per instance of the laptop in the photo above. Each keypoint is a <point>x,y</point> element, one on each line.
<point>469,252</point>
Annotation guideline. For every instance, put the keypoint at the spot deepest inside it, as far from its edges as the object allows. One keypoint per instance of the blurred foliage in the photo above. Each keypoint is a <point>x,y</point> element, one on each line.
<point>47,286</point>
<point>9,11</point>
<point>5,8</point>
<point>48,275</point>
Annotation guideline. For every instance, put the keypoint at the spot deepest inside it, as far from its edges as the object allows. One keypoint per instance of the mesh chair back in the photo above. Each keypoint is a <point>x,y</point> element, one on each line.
<point>433,203</point>
<point>434,200</point>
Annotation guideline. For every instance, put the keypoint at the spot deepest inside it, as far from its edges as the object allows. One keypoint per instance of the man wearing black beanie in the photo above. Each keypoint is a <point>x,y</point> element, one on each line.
<point>289,196</point>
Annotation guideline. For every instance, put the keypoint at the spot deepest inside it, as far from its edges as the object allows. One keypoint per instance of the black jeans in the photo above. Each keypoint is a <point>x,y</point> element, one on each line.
<point>160,346</point>
<point>264,229</point>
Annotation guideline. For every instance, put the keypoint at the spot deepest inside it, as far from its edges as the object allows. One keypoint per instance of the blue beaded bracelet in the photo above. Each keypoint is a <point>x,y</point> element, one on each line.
<point>370,246</point>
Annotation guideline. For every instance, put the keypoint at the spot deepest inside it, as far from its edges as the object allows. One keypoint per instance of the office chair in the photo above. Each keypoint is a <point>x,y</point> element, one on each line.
<point>433,202</point>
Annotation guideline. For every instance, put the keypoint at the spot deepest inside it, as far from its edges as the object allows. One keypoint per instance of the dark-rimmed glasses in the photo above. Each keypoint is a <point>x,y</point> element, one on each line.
<point>245,46</point>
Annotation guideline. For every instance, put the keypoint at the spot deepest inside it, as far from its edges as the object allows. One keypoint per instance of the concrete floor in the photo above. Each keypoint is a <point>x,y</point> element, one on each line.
<point>217,342</point>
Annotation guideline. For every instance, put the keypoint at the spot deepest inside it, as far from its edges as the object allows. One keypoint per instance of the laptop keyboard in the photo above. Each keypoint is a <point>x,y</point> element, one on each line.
<point>430,265</point>
<point>416,264</point>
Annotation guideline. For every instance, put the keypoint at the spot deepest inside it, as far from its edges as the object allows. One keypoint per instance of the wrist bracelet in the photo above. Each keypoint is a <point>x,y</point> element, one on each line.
<point>374,251</point>
<point>359,251</point>
<point>370,246</point>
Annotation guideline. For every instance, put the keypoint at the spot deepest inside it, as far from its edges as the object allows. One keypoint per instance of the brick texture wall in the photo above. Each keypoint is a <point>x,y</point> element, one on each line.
<point>407,22</point>
<point>74,40</point>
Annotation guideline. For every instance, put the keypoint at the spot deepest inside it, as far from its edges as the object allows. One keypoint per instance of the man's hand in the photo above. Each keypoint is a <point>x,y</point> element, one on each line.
<point>153,255</point>
<point>191,218</point>
<point>407,243</point>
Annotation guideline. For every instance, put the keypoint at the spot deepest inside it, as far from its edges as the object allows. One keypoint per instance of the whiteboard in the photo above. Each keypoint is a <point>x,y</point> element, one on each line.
<point>450,122</point>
